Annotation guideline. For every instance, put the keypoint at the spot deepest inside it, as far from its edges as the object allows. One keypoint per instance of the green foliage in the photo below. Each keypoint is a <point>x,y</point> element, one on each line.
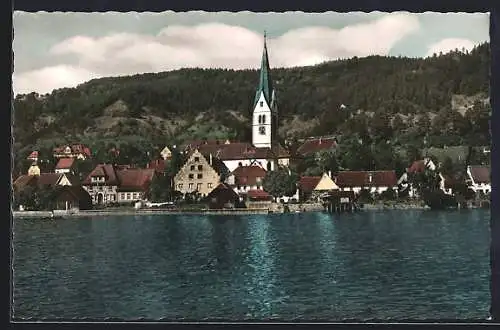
<point>160,189</point>
<point>35,198</point>
<point>280,183</point>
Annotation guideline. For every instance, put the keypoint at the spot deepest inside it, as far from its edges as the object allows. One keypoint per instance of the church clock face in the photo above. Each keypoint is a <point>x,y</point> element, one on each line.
<point>262,130</point>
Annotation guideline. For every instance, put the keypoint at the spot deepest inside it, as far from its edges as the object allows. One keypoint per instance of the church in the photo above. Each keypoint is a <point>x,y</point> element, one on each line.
<point>264,149</point>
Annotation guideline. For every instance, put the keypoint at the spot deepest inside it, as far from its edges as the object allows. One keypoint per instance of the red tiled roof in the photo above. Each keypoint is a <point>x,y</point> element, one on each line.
<point>198,143</point>
<point>258,194</point>
<point>480,174</point>
<point>240,150</point>
<point>135,179</point>
<point>248,175</point>
<point>362,179</point>
<point>448,181</point>
<point>225,189</point>
<point>107,171</point>
<point>316,144</point>
<point>33,155</point>
<point>65,163</point>
<point>75,148</point>
<point>49,179</point>
<point>23,181</point>
<point>158,165</point>
<point>417,166</point>
<point>308,183</point>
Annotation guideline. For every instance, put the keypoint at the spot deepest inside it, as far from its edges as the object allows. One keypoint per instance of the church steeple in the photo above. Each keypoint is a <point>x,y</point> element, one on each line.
<point>265,82</point>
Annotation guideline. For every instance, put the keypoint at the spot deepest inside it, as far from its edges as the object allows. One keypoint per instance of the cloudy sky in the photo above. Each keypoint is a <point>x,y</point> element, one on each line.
<point>54,50</point>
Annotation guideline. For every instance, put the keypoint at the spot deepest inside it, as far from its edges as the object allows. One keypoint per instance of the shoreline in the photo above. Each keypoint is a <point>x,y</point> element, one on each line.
<point>300,208</point>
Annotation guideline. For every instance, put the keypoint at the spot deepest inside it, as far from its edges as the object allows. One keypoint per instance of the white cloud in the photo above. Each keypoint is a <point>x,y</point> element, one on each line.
<point>47,79</point>
<point>449,44</point>
<point>212,45</point>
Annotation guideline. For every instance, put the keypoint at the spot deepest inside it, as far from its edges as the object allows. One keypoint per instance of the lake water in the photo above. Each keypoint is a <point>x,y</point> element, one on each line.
<point>375,265</point>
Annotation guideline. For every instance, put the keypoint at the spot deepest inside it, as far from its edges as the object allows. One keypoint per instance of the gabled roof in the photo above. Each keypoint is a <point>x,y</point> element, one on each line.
<point>44,179</point>
<point>77,192</point>
<point>241,150</point>
<point>135,179</point>
<point>65,163</point>
<point>314,145</point>
<point>190,145</point>
<point>103,170</point>
<point>308,183</point>
<point>480,174</point>
<point>75,148</point>
<point>362,179</point>
<point>248,175</point>
<point>225,189</point>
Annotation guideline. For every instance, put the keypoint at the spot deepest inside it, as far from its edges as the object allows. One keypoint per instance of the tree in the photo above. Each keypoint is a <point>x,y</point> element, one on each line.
<point>280,183</point>
<point>447,167</point>
<point>160,189</point>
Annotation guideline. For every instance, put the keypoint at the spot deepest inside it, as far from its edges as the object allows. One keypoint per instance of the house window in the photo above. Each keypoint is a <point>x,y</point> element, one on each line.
<point>196,159</point>
<point>198,186</point>
<point>261,104</point>
<point>200,167</point>
<point>209,185</point>
<point>192,167</point>
<point>190,186</point>
<point>191,176</point>
<point>122,196</point>
<point>179,186</point>
<point>262,130</point>
<point>263,119</point>
<point>200,176</point>
<point>128,195</point>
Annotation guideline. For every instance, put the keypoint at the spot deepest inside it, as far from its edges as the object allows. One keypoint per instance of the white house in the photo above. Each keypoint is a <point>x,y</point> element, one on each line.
<point>479,178</point>
<point>373,181</point>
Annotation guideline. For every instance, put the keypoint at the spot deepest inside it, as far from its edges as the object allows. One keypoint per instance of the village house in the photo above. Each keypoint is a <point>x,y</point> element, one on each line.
<point>314,187</point>
<point>72,198</point>
<point>313,145</point>
<point>108,184</point>
<point>245,178</point>
<point>43,180</point>
<point>372,181</point>
<point>78,151</point>
<point>417,166</point>
<point>479,178</point>
<point>134,184</point>
<point>65,165</point>
<point>166,153</point>
<point>222,197</point>
<point>200,174</point>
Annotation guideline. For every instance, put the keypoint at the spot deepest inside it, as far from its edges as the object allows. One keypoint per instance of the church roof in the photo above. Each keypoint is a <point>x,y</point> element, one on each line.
<point>265,82</point>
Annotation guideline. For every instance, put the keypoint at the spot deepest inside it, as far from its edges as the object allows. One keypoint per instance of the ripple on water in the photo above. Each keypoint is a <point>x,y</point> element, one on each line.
<point>380,265</point>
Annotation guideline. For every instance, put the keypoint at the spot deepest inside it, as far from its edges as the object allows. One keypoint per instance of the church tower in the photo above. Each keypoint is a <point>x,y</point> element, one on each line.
<point>265,108</point>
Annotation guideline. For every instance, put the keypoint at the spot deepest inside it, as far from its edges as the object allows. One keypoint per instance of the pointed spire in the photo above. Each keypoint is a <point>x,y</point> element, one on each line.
<point>265,83</point>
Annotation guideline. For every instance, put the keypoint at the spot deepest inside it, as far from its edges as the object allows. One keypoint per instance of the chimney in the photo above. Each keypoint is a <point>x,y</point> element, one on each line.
<point>330,174</point>
<point>210,159</point>
<point>370,178</point>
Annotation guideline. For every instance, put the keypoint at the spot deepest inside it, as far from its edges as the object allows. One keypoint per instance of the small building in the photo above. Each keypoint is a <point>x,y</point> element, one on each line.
<point>245,178</point>
<point>102,184</point>
<point>258,195</point>
<point>372,181</point>
<point>316,144</point>
<point>222,197</point>
<point>313,187</point>
<point>133,184</point>
<point>72,198</point>
<point>65,165</point>
<point>200,173</point>
<point>339,201</point>
<point>166,153</point>
<point>34,169</point>
<point>42,180</point>
<point>78,151</point>
<point>479,178</point>
<point>418,166</point>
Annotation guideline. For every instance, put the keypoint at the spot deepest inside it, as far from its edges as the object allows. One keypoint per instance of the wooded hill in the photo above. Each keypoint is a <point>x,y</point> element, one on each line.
<point>378,98</point>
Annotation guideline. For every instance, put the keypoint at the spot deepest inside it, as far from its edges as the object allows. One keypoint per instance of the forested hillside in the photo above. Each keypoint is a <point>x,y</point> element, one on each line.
<point>442,100</point>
